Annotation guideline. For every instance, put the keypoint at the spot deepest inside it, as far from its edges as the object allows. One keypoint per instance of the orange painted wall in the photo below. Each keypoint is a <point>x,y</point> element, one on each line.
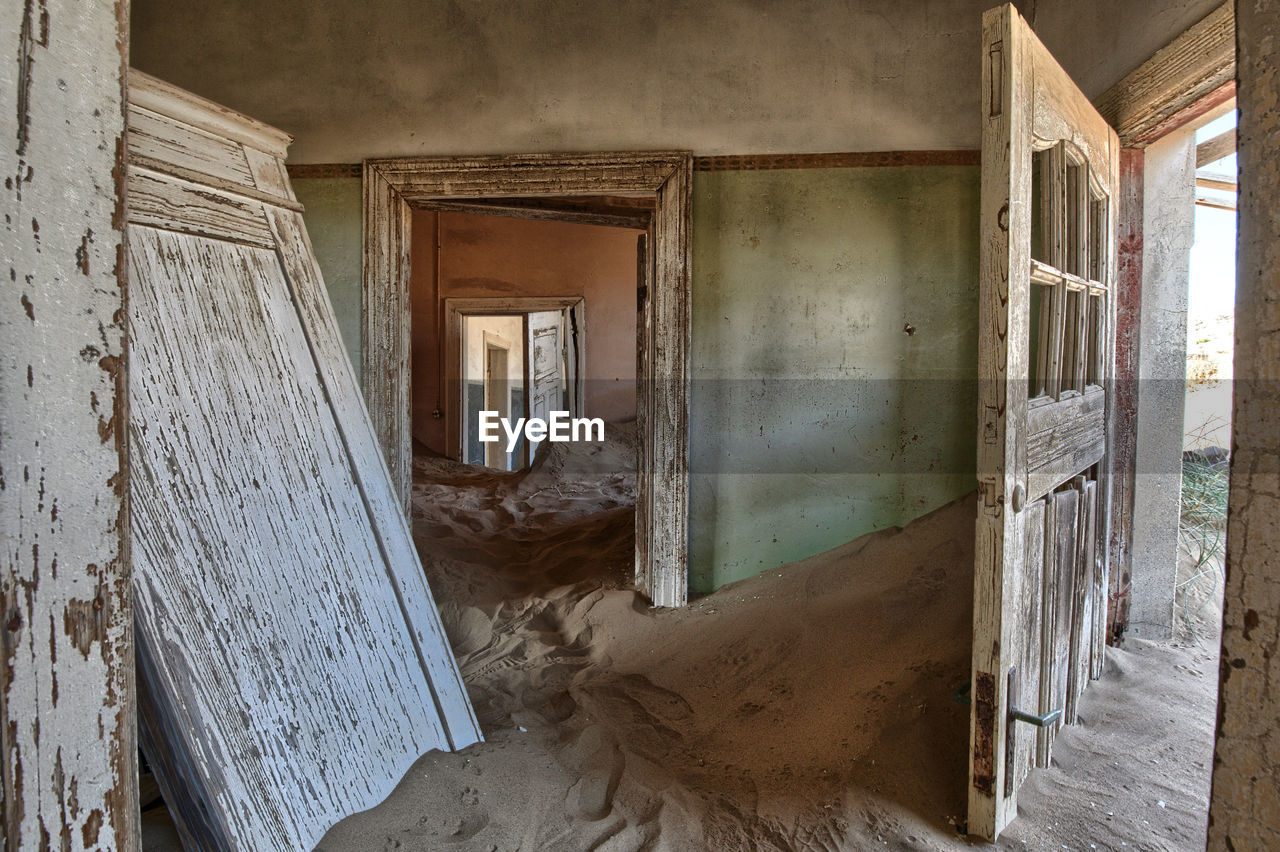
<point>488,256</point>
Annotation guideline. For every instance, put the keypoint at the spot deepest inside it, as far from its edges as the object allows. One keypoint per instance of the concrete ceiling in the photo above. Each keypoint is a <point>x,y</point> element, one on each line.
<point>396,77</point>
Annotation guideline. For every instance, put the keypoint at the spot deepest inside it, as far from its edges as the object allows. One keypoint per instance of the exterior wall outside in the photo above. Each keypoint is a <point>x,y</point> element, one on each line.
<point>494,256</point>
<point>711,76</point>
<point>1168,232</point>
<point>1244,810</point>
<point>1210,330</point>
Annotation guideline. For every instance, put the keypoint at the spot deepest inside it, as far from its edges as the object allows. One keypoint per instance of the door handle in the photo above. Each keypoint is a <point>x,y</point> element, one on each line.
<point>1018,715</point>
<point>1031,719</point>
<point>1018,498</point>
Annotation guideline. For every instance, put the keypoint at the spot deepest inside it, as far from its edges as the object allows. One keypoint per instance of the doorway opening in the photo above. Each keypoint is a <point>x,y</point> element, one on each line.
<point>519,320</point>
<point>518,358</point>
<point>1210,339</point>
<point>492,380</point>
<point>647,192</point>
<point>501,338</point>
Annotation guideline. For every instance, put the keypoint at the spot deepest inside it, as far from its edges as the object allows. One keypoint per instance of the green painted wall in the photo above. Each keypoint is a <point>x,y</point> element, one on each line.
<point>333,216</point>
<point>815,415</point>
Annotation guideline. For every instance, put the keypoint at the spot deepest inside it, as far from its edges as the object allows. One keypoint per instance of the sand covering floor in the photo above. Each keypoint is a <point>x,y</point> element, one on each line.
<point>806,708</point>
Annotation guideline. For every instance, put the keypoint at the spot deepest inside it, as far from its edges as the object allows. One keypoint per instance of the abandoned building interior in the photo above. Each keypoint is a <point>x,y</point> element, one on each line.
<point>925,357</point>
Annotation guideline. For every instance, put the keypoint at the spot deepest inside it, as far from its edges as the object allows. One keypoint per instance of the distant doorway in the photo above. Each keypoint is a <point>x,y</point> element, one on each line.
<point>519,357</point>
<point>497,386</point>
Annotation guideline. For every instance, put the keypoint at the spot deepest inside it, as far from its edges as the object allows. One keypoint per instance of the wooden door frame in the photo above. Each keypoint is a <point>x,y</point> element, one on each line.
<point>456,309</point>
<point>1192,76</point>
<point>393,187</point>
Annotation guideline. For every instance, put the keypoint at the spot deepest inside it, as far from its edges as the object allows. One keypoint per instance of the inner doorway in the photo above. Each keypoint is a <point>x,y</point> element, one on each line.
<point>519,357</point>
<point>522,318</point>
<point>496,383</point>
<point>558,296</point>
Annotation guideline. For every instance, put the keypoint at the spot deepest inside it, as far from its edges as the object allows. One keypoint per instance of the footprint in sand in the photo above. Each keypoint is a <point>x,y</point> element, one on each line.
<point>599,761</point>
<point>445,828</point>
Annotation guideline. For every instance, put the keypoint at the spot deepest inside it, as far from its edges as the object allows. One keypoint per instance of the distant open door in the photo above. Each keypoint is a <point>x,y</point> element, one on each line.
<point>545,362</point>
<point>1046,330</point>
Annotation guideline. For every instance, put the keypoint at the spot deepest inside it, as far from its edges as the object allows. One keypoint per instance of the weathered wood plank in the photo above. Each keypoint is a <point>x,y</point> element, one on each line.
<point>666,459</point>
<point>644,349</point>
<point>1106,470</point>
<point>639,219</point>
<point>390,525</point>
<point>1213,150</point>
<point>270,178</point>
<point>1194,65</point>
<point>1005,263</point>
<point>157,137</point>
<point>1080,657</point>
<point>1027,448</point>
<point>1063,529</point>
<point>1048,627</point>
<point>387,329</point>
<point>1098,592</point>
<point>1122,390</point>
<point>1030,594</point>
<point>162,201</point>
<point>1058,429</point>
<point>1063,467</point>
<point>538,174</point>
<point>147,92</point>
<point>219,444</point>
<point>68,777</point>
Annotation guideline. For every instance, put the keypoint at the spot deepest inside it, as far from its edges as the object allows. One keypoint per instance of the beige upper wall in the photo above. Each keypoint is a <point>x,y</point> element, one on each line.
<point>399,77</point>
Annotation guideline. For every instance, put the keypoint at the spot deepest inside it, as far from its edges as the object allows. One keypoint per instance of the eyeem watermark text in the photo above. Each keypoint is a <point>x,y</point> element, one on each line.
<point>558,428</point>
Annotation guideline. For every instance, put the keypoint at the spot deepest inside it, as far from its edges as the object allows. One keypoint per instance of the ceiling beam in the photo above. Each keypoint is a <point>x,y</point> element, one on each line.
<point>1166,91</point>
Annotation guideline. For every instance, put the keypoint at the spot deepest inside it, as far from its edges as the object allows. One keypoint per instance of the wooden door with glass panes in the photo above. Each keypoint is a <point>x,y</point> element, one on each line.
<point>1049,177</point>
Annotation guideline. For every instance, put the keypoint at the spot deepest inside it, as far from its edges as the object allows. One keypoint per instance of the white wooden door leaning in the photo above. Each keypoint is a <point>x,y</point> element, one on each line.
<point>291,661</point>
<point>1050,168</point>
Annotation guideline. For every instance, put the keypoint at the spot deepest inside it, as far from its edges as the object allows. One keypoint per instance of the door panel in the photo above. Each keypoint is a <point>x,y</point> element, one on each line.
<point>497,397</point>
<point>1082,597</point>
<point>291,662</point>
<point>1026,679</point>
<point>1049,173</point>
<point>1060,537</point>
<point>544,336</point>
